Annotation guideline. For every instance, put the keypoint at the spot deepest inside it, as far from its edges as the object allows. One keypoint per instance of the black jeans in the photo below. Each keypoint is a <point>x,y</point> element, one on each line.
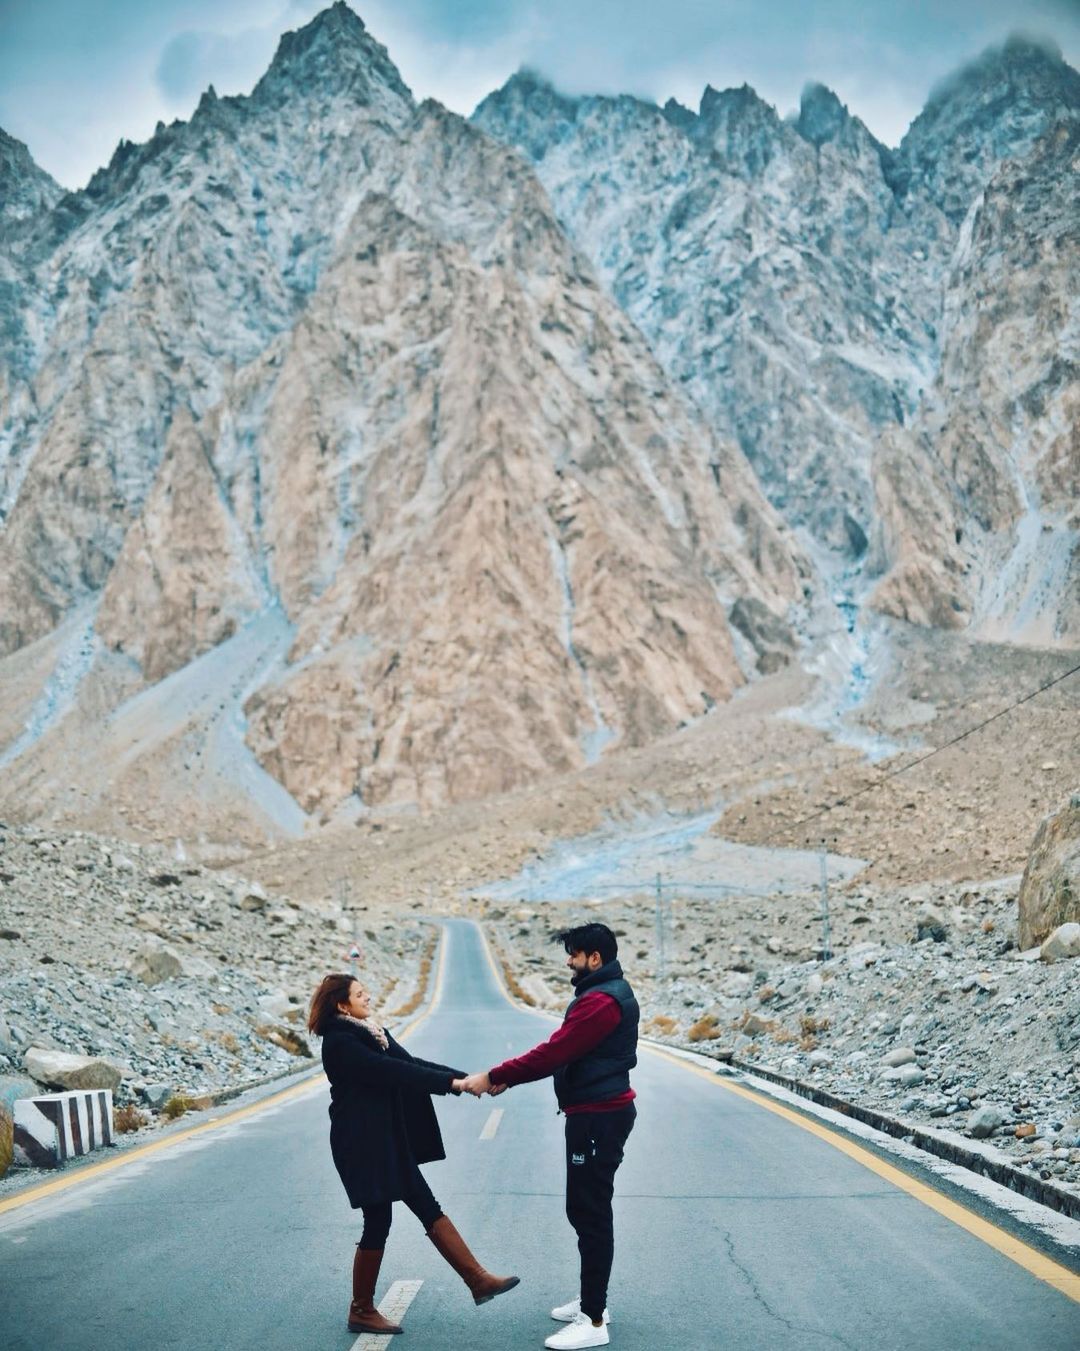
<point>594,1150</point>
<point>377,1218</point>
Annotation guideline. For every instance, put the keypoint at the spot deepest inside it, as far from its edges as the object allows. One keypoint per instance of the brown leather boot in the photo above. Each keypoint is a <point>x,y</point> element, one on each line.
<point>363,1315</point>
<point>453,1248</point>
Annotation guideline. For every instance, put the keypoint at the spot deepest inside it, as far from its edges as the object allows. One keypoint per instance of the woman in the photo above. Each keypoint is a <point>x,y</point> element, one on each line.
<point>382,1126</point>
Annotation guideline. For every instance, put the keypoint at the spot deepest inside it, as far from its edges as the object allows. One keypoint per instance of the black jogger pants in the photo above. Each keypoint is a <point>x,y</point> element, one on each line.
<point>594,1150</point>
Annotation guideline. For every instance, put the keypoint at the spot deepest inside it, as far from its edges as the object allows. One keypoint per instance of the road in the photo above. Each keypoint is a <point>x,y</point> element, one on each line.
<point>734,1228</point>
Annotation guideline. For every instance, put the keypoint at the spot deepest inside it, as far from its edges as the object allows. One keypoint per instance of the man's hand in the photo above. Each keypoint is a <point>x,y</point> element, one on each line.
<point>477,1084</point>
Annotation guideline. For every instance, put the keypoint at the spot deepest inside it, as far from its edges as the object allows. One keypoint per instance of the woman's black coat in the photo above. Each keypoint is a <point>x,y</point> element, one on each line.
<point>382,1121</point>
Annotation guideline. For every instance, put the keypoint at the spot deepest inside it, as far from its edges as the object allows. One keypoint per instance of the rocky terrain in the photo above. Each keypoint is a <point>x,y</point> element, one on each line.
<point>977,518</point>
<point>183,981</point>
<point>889,334</point>
<point>359,457</point>
<point>401,513</point>
<point>322,397</point>
<point>927,1012</point>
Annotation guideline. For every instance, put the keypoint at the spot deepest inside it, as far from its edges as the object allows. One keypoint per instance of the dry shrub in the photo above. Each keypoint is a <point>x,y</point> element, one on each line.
<point>287,1039</point>
<point>513,985</point>
<point>705,1029</point>
<point>784,1036</point>
<point>423,976</point>
<point>807,1042</point>
<point>128,1118</point>
<point>766,993</point>
<point>176,1106</point>
<point>988,926</point>
<point>663,1024</point>
<point>809,1025</point>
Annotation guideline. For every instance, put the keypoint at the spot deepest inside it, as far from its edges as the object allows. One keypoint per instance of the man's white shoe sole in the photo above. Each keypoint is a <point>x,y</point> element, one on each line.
<point>575,1336</point>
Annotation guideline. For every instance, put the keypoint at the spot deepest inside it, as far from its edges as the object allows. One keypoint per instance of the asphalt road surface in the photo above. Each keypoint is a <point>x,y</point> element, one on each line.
<point>735,1228</point>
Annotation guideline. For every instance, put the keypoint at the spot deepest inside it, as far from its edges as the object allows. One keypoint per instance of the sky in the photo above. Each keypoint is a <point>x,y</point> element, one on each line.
<point>76,76</point>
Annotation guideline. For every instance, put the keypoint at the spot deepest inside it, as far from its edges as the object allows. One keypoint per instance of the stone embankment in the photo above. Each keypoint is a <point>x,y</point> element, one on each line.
<point>927,1011</point>
<point>123,967</point>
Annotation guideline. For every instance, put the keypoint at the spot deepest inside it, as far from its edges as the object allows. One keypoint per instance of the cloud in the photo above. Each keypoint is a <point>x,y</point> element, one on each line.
<point>77,74</point>
<point>231,62</point>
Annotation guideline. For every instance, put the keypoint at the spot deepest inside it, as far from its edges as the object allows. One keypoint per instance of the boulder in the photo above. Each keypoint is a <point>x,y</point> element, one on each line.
<point>156,961</point>
<point>275,1004</point>
<point>902,1055</point>
<point>930,923</point>
<point>985,1122</point>
<point>1050,889</point>
<point>8,1044</point>
<point>60,1069</point>
<point>1062,944</point>
<point>251,897</point>
<point>156,1095</point>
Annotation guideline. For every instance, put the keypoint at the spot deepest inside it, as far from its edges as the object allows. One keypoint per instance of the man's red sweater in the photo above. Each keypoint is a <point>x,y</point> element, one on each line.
<point>590,1018</point>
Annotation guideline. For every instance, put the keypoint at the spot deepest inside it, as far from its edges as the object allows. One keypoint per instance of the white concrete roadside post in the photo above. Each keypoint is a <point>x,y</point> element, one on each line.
<point>55,1127</point>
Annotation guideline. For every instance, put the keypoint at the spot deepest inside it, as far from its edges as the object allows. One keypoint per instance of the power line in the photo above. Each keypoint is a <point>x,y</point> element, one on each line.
<point>922,759</point>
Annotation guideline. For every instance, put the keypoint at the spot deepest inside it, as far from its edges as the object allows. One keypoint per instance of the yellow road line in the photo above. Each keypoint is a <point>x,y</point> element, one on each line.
<point>92,1172</point>
<point>1033,1261</point>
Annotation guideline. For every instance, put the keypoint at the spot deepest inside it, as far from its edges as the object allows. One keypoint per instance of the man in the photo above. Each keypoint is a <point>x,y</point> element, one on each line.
<point>589,1058</point>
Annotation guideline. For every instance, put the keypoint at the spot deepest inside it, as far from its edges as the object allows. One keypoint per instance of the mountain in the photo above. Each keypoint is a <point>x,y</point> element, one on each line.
<point>993,109</point>
<point>345,481</point>
<point>766,262</point>
<point>26,191</point>
<point>791,275</point>
<point>356,455</point>
<point>979,499</point>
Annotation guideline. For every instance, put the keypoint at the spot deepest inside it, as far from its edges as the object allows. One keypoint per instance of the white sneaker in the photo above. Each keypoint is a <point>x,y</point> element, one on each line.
<point>565,1312</point>
<point>579,1332</point>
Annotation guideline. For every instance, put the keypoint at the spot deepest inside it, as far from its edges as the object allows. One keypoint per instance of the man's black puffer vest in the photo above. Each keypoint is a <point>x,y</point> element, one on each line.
<point>603,1072</point>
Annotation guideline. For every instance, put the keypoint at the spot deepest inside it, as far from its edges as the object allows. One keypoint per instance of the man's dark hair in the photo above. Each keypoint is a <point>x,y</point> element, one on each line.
<point>589,938</point>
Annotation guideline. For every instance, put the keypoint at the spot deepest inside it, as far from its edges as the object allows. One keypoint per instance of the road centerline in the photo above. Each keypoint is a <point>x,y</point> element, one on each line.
<point>491,1125</point>
<point>393,1306</point>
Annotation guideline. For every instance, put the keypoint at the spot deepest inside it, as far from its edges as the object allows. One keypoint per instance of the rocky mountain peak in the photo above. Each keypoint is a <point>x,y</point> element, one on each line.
<point>333,54</point>
<point>822,118</point>
<point>680,116</point>
<point>25,189</point>
<point>1029,69</point>
<point>740,126</point>
<point>529,111</point>
<point>995,107</point>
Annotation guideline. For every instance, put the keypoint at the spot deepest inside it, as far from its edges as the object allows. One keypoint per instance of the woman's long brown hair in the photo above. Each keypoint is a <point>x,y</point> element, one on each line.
<point>333,990</point>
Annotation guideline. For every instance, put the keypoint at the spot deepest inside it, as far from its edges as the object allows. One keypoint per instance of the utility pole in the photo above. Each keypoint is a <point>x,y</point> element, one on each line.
<point>660,963</point>
<point>826,946</point>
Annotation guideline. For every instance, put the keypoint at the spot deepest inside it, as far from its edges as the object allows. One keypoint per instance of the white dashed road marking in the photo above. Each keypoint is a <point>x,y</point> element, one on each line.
<point>393,1306</point>
<point>491,1125</point>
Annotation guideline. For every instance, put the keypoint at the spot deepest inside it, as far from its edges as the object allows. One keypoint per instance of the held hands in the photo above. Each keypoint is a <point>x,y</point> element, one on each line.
<point>478,1085</point>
